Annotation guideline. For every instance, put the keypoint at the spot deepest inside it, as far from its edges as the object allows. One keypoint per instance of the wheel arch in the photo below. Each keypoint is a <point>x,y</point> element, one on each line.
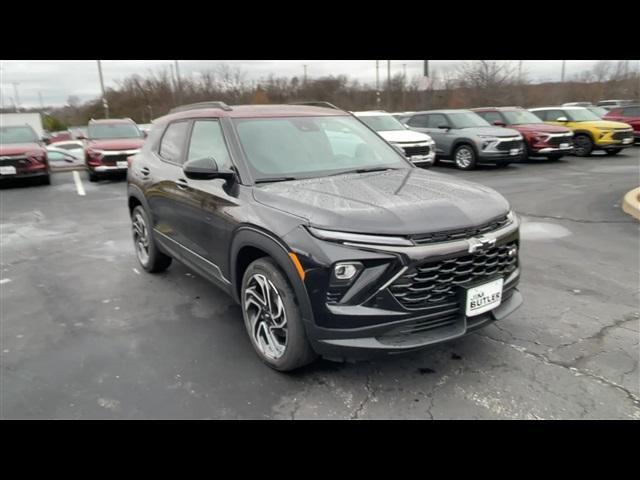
<point>250,243</point>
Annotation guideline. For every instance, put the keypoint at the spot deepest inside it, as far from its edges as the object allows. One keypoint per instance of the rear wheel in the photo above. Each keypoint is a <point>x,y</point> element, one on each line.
<point>612,151</point>
<point>465,157</point>
<point>93,177</point>
<point>272,317</point>
<point>582,145</point>
<point>150,258</point>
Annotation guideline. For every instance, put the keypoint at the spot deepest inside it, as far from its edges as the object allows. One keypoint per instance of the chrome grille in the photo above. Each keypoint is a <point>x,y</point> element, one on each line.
<point>494,224</point>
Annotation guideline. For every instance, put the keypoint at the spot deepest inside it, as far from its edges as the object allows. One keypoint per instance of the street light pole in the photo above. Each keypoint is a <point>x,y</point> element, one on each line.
<point>17,97</point>
<point>389,84</point>
<point>564,64</point>
<point>105,104</point>
<point>178,84</point>
<point>378,83</point>
<point>404,86</point>
<point>305,74</point>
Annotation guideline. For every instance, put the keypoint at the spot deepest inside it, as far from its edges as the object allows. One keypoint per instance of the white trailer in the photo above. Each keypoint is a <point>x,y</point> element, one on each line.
<point>32,119</point>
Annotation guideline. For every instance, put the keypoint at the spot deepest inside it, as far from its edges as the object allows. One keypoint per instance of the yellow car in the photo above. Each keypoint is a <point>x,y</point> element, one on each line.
<point>590,132</point>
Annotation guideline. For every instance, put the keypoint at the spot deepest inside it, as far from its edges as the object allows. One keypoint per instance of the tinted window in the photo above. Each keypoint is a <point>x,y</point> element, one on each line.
<point>553,115</point>
<point>491,117</point>
<point>436,120</point>
<point>466,120</point>
<point>17,135</point>
<point>631,112</point>
<point>207,140</point>
<point>173,140</point>
<point>419,121</point>
<point>541,114</point>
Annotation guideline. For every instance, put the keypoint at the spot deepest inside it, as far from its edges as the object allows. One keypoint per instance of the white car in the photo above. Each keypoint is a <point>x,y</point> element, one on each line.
<point>72,147</point>
<point>417,147</point>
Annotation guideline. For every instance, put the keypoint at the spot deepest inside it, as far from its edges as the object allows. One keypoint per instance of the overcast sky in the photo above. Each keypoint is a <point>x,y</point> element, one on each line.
<point>57,80</point>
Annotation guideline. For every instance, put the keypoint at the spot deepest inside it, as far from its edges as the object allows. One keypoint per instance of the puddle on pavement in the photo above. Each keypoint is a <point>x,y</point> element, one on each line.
<point>542,231</point>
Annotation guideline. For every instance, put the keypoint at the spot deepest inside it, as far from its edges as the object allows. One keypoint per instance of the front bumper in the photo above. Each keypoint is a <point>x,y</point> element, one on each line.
<point>499,157</point>
<point>379,340</point>
<point>25,175</point>
<point>369,318</point>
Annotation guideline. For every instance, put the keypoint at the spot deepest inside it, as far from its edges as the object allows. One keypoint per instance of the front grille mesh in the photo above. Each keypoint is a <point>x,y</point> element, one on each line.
<point>416,150</point>
<point>556,141</point>
<point>622,135</point>
<point>431,284</point>
<point>113,159</point>
<point>508,145</point>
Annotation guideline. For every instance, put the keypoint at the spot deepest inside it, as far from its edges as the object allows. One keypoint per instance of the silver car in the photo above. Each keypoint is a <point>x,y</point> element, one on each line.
<point>465,138</point>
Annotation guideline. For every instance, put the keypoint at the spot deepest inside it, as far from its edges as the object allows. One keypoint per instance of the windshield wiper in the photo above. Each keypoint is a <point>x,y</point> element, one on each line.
<point>363,170</point>
<point>275,179</point>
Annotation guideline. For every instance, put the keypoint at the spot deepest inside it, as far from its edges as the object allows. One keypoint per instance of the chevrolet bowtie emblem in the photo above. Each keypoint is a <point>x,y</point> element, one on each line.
<point>480,244</point>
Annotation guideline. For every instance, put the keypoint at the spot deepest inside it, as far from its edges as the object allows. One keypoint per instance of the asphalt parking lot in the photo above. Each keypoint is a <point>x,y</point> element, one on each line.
<point>86,333</point>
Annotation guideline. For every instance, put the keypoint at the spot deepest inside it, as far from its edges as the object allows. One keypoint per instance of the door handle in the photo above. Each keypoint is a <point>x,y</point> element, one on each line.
<point>182,184</point>
<point>145,170</point>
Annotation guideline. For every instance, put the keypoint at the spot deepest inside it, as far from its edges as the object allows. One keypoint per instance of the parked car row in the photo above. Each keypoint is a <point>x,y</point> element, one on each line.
<point>502,135</point>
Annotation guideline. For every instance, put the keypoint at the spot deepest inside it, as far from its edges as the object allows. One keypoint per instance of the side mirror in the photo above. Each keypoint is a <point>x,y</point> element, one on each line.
<point>562,119</point>
<point>144,134</point>
<point>499,123</point>
<point>205,169</point>
<point>80,136</point>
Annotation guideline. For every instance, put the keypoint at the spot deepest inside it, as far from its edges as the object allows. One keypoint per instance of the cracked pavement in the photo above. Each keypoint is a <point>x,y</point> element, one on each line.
<point>85,333</point>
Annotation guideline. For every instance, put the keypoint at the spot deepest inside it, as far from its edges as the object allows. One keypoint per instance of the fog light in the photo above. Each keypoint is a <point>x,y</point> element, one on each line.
<point>513,251</point>
<point>345,271</point>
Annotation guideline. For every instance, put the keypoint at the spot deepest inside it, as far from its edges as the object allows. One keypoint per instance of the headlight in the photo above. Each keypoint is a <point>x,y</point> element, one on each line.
<point>489,138</point>
<point>334,236</point>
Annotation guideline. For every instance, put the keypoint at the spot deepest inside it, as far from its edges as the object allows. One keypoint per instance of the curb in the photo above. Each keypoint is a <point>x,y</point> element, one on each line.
<point>631,203</point>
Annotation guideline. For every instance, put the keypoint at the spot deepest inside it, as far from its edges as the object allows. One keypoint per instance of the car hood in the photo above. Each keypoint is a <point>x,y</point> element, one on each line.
<point>19,148</point>
<point>494,131</point>
<point>116,143</point>
<point>402,136</point>
<point>606,124</point>
<point>540,127</point>
<point>406,201</point>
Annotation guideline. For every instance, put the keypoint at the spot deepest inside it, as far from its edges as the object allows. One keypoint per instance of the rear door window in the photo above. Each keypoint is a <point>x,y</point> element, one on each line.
<point>491,117</point>
<point>419,121</point>
<point>436,120</point>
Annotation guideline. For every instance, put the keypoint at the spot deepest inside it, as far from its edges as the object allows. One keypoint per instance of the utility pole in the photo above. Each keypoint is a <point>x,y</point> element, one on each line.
<point>520,70</point>
<point>40,97</point>
<point>178,85</point>
<point>105,104</point>
<point>404,86</point>
<point>425,74</point>
<point>389,84</point>
<point>305,73</point>
<point>378,83</point>
<point>17,97</point>
<point>564,65</point>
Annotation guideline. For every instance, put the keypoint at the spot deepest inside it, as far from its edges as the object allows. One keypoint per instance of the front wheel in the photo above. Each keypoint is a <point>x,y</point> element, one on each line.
<point>272,317</point>
<point>150,258</point>
<point>465,157</point>
<point>613,151</point>
<point>554,157</point>
<point>582,145</point>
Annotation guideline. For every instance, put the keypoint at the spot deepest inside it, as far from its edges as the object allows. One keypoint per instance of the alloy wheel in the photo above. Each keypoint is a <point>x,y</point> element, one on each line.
<point>267,316</point>
<point>581,145</point>
<point>464,157</point>
<point>141,238</point>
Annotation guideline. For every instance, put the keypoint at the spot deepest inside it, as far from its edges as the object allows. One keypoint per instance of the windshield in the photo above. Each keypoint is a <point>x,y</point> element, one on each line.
<point>467,120</point>
<point>382,123</point>
<point>581,115</point>
<point>113,130</point>
<point>519,117</point>
<point>303,147</point>
<point>17,135</point>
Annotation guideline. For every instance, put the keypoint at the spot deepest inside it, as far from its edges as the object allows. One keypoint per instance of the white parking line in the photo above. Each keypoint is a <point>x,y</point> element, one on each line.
<point>78,180</point>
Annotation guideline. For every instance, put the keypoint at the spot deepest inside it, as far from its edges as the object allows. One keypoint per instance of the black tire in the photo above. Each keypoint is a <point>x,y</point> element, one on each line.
<point>582,145</point>
<point>297,351</point>
<point>503,164</point>
<point>154,261</point>
<point>554,158</point>
<point>469,155</point>
<point>46,180</point>
<point>93,177</point>
<point>526,152</point>
<point>612,151</point>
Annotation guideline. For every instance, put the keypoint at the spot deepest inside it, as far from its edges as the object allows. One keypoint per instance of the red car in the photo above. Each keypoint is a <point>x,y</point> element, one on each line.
<point>22,154</point>
<point>628,114</point>
<point>109,143</point>
<point>540,139</point>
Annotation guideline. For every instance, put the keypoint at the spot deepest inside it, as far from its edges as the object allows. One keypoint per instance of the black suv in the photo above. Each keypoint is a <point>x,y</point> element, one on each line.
<point>332,242</point>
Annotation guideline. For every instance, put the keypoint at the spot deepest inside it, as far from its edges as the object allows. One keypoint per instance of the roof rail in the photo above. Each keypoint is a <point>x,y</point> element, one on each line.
<point>195,106</point>
<point>317,104</point>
